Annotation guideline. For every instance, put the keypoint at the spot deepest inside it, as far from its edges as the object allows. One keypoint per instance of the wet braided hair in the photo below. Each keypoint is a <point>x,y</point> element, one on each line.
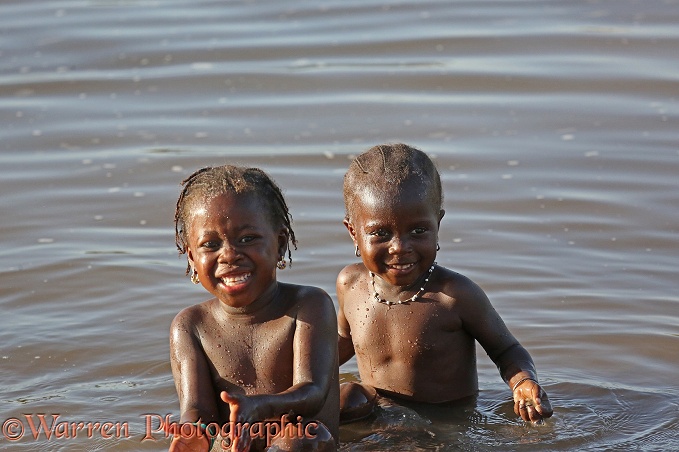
<point>212,181</point>
<point>387,168</point>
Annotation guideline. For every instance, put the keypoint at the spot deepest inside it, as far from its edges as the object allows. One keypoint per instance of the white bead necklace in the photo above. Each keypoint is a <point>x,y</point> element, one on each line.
<point>379,299</point>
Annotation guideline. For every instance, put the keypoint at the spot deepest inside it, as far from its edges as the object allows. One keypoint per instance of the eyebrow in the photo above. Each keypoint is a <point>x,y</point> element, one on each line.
<point>238,229</point>
<point>375,224</point>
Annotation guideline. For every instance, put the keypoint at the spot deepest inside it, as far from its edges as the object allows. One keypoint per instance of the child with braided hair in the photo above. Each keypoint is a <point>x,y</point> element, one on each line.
<point>411,323</point>
<point>260,353</point>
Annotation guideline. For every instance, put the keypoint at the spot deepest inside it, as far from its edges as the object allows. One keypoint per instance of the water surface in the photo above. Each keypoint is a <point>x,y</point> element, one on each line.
<point>554,126</point>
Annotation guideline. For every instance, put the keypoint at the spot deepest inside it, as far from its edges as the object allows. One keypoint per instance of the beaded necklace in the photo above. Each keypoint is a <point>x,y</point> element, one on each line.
<point>379,299</point>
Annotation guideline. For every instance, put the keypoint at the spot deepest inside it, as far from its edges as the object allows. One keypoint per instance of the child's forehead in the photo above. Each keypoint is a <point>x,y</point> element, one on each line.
<point>374,199</point>
<point>224,202</point>
<point>392,194</point>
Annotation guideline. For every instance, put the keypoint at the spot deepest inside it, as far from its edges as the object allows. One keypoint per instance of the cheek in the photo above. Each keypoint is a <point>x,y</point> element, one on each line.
<point>370,247</point>
<point>201,259</point>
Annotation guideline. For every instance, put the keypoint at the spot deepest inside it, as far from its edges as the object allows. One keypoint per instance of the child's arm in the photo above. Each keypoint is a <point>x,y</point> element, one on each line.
<point>518,371</point>
<point>513,361</point>
<point>314,368</point>
<point>197,400</point>
<point>345,349</point>
<point>345,345</point>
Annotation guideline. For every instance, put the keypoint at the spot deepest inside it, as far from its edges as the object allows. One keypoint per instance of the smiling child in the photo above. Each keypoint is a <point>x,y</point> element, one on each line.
<point>411,323</point>
<point>260,351</point>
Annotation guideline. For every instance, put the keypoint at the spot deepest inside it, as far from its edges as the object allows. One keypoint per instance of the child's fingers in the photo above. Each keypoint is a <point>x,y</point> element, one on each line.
<point>541,402</point>
<point>523,410</point>
<point>544,407</point>
<point>532,413</point>
<point>228,398</point>
<point>530,406</point>
<point>528,411</point>
<point>234,405</point>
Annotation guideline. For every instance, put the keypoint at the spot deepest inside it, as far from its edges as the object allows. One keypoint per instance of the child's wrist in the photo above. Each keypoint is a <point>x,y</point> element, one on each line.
<point>523,380</point>
<point>263,409</point>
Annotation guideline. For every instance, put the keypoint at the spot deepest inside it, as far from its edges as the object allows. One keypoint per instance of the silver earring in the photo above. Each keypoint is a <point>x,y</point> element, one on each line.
<point>438,247</point>
<point>357,252</point>
<point>281,264</point>
<point>194,276</point>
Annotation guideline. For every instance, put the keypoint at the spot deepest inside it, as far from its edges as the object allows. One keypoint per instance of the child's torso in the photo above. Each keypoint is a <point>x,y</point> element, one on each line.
<point>418,350</point>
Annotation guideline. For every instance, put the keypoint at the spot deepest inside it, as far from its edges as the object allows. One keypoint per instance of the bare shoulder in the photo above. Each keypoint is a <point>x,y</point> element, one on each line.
<point>458,289</point>
<point>188,318</point>
<point>350,274</point>
<point>185,331</point>
<point>307,299</point>
<point>347,279</point>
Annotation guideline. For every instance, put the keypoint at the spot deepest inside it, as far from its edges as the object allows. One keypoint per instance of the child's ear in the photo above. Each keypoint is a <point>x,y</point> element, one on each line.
<point>441,214</point>
<point>189,258</point>
<point>350,228</point>
<point>283,238</point>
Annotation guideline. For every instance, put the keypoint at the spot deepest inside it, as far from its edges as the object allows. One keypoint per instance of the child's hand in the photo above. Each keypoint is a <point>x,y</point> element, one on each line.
<point>531,401</point>
<point>190,444</point>
<point>242,410</point>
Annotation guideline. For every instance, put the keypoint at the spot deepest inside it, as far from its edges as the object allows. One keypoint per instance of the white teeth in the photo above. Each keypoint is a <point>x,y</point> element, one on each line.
<point>236,279</point>
<point>402,267</point>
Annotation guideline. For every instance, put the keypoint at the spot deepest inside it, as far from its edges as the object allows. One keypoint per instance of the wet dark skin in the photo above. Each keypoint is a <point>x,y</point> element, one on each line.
<point>259,348</point>
<point>423,350</point>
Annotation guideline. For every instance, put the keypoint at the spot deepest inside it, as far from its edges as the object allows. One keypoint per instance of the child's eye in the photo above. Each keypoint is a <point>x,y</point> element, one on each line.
<point>419,230</point>
<point>379,233</point>
<point>211,245</point>
<point>247,238</point>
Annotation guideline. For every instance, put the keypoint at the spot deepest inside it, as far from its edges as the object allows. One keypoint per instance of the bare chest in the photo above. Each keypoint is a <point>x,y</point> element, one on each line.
<point>255,357</point>
<point>419,328</point>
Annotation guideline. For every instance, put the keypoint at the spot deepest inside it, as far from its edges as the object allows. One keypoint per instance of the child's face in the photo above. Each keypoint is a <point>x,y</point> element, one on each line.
<point>396,234</point>
<point>234,248</point>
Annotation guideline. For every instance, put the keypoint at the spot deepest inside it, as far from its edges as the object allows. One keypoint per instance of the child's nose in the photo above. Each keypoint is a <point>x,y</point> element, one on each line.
<point>229,254</point>
<point>399,245</point>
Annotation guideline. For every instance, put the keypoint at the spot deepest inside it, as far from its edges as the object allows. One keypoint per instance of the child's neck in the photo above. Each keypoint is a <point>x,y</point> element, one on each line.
<point>264,300</point>
<point>389,294</point>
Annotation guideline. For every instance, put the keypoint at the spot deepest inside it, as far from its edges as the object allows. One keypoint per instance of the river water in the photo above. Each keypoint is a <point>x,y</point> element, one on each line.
<point>553,124</point>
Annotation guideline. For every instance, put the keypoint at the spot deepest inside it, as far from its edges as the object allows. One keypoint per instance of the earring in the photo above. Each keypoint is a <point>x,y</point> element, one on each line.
<point>438,247</point>
<point>194,276</point>
<point>281,264</point>
<point>357,252</point>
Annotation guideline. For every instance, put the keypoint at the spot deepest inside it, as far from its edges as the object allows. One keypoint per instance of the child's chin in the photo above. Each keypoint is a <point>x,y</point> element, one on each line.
<point>233,289</point>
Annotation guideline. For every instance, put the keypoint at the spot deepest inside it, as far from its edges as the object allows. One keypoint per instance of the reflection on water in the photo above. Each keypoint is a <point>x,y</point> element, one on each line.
<point>554,126</point>
<point>590,417</point>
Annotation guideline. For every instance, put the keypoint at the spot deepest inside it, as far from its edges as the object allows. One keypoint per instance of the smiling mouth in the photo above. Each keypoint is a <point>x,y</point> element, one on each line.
<point>236,280</point>
<point>402,267</point>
